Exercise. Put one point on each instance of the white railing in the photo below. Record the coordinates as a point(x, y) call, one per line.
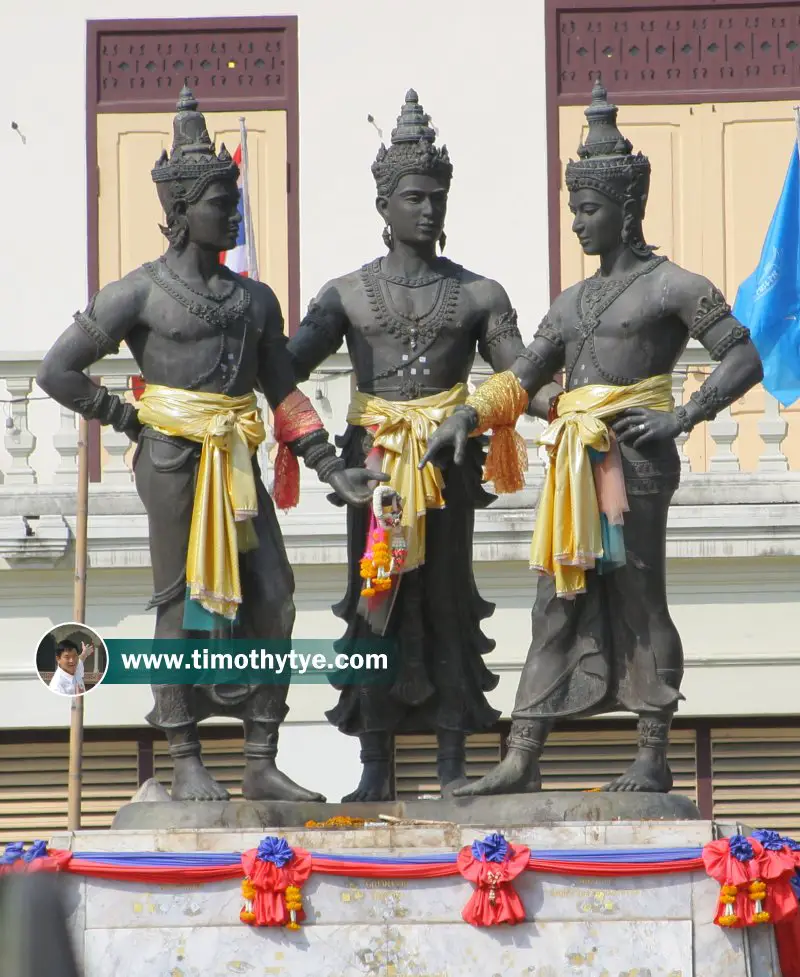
point(39, 444)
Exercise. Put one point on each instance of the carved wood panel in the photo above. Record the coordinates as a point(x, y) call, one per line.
point(221, 64)
point(701, 49)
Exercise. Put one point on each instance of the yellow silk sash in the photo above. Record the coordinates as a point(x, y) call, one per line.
point(229, 429)
point(402, 432)
point(567, 538)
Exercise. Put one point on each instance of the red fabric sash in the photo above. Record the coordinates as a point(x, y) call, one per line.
point(294, 418)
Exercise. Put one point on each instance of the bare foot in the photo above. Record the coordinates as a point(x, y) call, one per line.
point(649, 773)
point(264, 782)
point(518, 773)
point(192, 782)
point(374, 783)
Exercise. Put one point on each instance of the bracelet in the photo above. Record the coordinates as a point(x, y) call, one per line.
point(684, 420)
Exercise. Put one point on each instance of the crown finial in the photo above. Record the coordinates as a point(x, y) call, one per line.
point(412, 123)
point(603, 138)
point(186, 100)
point(606, 160)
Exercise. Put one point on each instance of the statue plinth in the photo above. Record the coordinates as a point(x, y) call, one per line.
point(660, 924)
point(545, 807)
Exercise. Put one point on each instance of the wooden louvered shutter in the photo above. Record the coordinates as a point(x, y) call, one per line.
point(572, 760)
point(33, 782)
point(756, 777)
point(224, 759)
point(415, 762)
point(588, 758)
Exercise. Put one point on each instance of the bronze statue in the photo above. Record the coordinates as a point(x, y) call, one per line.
point(603, 639)
point(412, 321)
point(204, 339)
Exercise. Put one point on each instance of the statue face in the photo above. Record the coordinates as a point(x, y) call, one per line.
point(214, 220)
point(416, 210)
point(597, 222)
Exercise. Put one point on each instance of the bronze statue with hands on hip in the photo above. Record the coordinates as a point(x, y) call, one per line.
point(205, 339)
point(602, 636)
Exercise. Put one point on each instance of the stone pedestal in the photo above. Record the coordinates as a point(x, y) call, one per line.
point(657, 926)
point(546, 807)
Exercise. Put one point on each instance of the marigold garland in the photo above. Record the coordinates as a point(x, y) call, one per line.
point(340, 821)
point(294, 906)
point(247, 915)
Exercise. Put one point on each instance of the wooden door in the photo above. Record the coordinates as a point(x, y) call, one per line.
point(129, 212)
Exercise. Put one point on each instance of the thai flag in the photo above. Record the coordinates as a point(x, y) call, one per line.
point(237, 258)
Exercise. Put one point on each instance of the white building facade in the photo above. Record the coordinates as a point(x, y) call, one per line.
point(487, 79)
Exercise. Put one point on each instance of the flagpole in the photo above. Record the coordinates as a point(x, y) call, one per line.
point(79, 615)
point(252, 259)
point(797, 126)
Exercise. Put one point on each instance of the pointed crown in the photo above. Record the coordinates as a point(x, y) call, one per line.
point(412, 150)
point(606, 161)
point(194, 157)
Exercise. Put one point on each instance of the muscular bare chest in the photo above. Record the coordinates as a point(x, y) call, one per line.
point(192, 341)
point(618, 331)
point(423, 329)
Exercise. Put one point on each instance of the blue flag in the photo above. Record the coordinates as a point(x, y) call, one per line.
point(768, 302)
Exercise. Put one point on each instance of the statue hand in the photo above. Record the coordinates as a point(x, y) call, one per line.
point(639, 426)
point(355, 485)
point(450, 437)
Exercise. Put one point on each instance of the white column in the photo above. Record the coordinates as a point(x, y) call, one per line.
point(65, 441)
point(678, 385)
point(723, 431)
point(116, 470)
point(772, 427)
point(19, 442)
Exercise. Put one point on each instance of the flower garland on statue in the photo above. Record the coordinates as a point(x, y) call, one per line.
point(274, 876)
point(385, 555)
point(492, 864)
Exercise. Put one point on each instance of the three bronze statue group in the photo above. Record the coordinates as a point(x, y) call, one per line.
point(206, 339)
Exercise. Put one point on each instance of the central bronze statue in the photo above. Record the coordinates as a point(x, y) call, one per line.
point(412, 321)
point(603, 639)
point(205, 339)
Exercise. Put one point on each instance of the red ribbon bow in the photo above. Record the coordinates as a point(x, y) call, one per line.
point(773, 868)
point(494, 900)
point(271, 883)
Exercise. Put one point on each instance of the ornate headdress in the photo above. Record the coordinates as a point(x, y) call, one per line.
point(606, 161)
point(412, 150)
point(194, 163)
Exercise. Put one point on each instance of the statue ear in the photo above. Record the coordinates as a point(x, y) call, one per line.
point(382, 206)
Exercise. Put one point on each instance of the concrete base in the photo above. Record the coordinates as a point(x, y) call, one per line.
point(547, 807)
point(658, 926)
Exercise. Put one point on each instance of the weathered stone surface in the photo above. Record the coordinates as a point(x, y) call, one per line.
point(547, 807)
point(151, 792)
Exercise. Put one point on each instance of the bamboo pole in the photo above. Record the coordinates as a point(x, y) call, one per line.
point(79, 615)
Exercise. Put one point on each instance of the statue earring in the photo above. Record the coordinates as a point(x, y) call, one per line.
point(388, 238)
point(442, 241)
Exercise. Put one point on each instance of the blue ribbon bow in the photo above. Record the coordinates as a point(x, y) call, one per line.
point(493, 848)
point(791, 844)
point(37, 850)
point(275, 850)
point(13, 853)
point(770, 840)
point(740, 848)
